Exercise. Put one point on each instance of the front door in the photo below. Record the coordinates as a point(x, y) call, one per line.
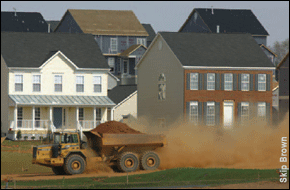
point(57, 117)
point(228, 114)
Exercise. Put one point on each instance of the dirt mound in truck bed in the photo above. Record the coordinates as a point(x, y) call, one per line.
point(114, 127)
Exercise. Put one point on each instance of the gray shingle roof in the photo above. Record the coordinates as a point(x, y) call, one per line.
point(216, 50)
point(121, 92)
point(53, 24)
point(33, 49)
point(150, 31)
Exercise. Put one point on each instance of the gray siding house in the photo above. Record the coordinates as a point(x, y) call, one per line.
point(4, 98)
point(114, 31)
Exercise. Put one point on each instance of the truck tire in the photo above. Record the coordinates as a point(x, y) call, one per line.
point(58, 171)
point(128, 162)
point(149, 161)
point(74, 164)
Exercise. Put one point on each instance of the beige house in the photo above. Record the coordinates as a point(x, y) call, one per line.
point(56, 82)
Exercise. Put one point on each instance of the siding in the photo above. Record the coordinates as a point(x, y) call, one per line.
point(153, 64)
point(4, 97)
point(128, 107)
point(68, 25)
point(197, 25)
point(261, 40)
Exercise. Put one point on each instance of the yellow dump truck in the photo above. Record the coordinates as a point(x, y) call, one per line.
point(127, 152)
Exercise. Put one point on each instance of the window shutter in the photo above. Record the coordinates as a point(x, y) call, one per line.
point(268, 81)
point(200, 81)
point(217, 113)
point(204, 112)
point(222, 81)
point(256, 82)
point(187, 110)
point(199, 112)
point(217, 81)
point(239, 112)
point(235, 81)
point(240, 82)
point(188, 81)
point(205, 81)
point(268, 111)
point(251, 82)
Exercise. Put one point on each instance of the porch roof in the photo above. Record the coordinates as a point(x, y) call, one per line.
point(62, 100)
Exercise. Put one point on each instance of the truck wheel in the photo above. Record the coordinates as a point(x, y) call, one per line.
point(74, 164)
point(128, 162)
point(58, 171)
point(150, 161)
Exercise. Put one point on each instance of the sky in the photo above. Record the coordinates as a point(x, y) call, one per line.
point(166, 15)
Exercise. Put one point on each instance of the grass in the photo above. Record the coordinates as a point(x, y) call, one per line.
point(24, 145)
point(172, 177)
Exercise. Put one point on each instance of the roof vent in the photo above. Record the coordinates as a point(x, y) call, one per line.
point(217, 28)
point(48, 28)
point(14, 11)
point(212, 10)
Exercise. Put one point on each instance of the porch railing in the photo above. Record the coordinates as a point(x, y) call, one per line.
point(88, 124)
point(31, 125)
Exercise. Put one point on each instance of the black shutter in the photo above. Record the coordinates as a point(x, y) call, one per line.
point(217, 113)
point(251, 82)
point(187, 110)
point(204, 112)
point(222, 81)
point(188, 81)
point(205, 81)
point(240, 82)
point(217, 81)
point(256, 82)
point(235, 81)
point(268, 111)
point(239, 112)
point(200, 81)
point(268, 81)
point(200, 113)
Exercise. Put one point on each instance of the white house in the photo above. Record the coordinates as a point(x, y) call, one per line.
point(56, 81)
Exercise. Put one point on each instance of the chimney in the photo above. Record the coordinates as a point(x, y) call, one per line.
point(48, 28)
point(217, 28)
point(212, 10)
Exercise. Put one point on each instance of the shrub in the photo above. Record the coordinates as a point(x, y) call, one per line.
point(33, 137)
point(41, 138)
point(19, 135)
point(25, 137)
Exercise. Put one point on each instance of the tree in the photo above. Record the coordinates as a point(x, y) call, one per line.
point(19, 135)
point(280, 49)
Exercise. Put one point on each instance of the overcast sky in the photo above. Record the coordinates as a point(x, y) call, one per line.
point(166, 15)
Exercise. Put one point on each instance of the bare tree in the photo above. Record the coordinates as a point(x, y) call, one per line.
point(280, 48)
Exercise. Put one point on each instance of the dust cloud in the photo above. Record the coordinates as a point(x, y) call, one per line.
point(254, 145)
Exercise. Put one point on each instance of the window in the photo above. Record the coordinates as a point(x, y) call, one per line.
point(113, 44)
point(210, 81)
point(111, 63)
point(228, 81)
point(18, 83)
point(261, 109)
point(36, 80)
point(193, 81)
point(193, 113)
point(98, 114)
point(245, 82)
point(81, 114)
point(75, 138)
point(161, 122)
point(261, 82)
point(58, 83)
point(19, 116)
point(125, 68)
point(118, 65)
point(80, 84)
point(37, 117)
point(64, 117)
point(245, 112)
point(210, 114)
point(97, 81)
point(141, 41)
point(161, 87)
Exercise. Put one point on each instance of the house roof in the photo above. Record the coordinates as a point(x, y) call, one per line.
point(108, 22)
point(216, 50)
point(53, 24)
point(283, 60)
point(33, 49)
point(230, 21)
point(131, 49)
point(23, 22)
point(268, 49)
point(61, 100)
point(121, 92)
point(150, 31)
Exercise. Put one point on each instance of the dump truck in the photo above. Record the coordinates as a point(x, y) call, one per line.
point(68, 154)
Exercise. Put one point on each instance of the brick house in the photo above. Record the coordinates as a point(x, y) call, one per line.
point(205, 78)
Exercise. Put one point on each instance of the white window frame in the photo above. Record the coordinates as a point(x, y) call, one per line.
point(210, 82)
point(141, 41)
point(245, 117)
point(194, 83)
point(162, 87)
point(96, 83)
point(80, 84)
point(111, 63)
point(19, 83)
point(114, 45)
point(210, 118)
point(228, 82)
point(58, 83)
point(35, 83)
point(261, 105)
point(245, 82)
point(193, 116)
point(260, 83)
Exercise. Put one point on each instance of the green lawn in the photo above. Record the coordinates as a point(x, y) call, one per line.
point(172, 177)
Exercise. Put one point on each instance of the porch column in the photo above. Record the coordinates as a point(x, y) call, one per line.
point(112, 114)
point(33, 117)
point(95, 117)
point(15, 118)
point(77, 116)
point(50, 116)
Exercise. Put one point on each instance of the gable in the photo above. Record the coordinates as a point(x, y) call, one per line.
point(194, 23)
point(68, 24)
